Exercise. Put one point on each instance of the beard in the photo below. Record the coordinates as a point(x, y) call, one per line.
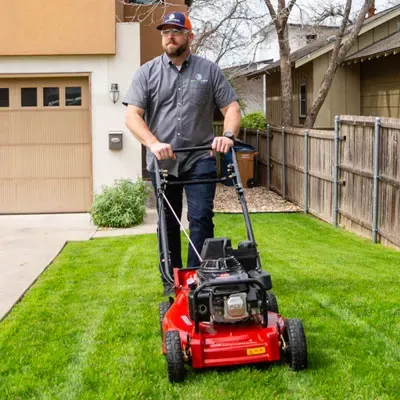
point(177, 51)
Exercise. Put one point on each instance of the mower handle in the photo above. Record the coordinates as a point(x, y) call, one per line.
point(192, 149)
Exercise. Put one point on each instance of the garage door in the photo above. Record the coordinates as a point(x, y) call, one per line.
point(45, 145)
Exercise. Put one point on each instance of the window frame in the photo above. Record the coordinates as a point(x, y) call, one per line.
point(303, 101)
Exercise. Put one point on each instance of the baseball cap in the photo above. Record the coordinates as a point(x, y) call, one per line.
point(176, 18)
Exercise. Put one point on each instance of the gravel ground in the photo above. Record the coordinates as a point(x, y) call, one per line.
point(258, 199)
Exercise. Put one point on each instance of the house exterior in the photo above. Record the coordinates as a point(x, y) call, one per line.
point(252, 91)
point(59, 61)
point(367, 83)
point(299, 36)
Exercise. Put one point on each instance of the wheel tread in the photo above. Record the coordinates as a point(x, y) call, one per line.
point(175, 360)
point(297, 345)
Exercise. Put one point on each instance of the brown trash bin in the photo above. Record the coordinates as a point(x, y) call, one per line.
point(245, 160)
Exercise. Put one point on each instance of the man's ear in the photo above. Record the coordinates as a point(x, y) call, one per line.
point(191, 37)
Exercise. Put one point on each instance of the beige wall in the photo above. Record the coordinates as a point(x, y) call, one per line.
point(274, 115)
point(380, 87)
point(343, 96)
point(44, 27)
point(149, 18)
point(302, 75)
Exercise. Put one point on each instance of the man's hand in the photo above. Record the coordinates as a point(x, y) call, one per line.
point(221, 144)
point(163, 151)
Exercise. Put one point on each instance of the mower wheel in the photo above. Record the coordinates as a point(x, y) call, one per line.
point(296, 351)
point(272, 303)
point(175, 361)
point(163, 307)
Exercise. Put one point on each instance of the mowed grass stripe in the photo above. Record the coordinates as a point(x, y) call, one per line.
point(89, 327)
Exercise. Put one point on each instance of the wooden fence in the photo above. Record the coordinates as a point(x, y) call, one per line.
point(349, 176)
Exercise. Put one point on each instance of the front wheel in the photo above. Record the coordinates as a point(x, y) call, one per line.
point(296, 351)
point(272, 303)
point(175, 360)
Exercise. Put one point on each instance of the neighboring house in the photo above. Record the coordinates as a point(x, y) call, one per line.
point(367, 83)
point(299, 36)
point(59, 61)
point(252, 92)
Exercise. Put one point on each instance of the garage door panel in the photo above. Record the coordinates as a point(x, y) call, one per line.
point(5, 127)
point(43, 127)
point(45, 195)
point(46, 161)
point(45, 149)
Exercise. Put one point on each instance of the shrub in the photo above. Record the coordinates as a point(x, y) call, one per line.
point(121, 205)
point(255, 120)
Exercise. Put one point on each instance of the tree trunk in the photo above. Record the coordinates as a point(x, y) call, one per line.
point(286, 78)
point(321, 96)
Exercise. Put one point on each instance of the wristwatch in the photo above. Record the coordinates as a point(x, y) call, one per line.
point(229, 135)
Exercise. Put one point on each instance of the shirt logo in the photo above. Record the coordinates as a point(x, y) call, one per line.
point(198, 78)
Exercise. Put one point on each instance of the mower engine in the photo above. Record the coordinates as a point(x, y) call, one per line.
point(223, 297)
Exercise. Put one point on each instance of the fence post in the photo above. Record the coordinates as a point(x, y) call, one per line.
point(336, 171)
point(283, 165)
point(244, 134)
point(257, 149)
point(376, 181)
point(306, 134)
point(268, 158)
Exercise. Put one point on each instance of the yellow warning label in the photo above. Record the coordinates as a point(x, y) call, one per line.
point(256, 350)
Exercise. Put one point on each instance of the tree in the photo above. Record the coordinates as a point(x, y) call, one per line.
point(224, 29)
point(345, 37)
point(343, 42)
point(280, 18)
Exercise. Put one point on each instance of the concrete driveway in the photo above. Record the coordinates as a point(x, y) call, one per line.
point(29, 243)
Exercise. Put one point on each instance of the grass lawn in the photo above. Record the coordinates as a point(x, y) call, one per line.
point(89, 329)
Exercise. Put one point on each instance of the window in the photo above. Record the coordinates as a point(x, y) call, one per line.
point(4, 97)
point(51, 97)
point(303, 101)
point(29, 97)
point(73, 96)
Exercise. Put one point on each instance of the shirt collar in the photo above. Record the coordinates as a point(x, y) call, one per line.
point(168, 62)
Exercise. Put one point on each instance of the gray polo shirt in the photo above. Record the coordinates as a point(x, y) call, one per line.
point(179, 105)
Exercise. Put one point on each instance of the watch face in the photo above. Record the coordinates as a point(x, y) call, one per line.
point(229, 135)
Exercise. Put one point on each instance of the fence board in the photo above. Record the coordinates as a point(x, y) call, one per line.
point(356, 172)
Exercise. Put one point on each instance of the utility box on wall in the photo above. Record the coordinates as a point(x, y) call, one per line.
point(115, 140)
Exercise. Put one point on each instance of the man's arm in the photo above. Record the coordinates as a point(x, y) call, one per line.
point(231, 112)
point(232, 117)
point(135, 123)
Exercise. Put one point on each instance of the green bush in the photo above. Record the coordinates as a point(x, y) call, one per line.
point(121, 205)
point(255, 120)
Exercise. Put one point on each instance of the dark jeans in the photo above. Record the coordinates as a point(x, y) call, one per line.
point(200, 201)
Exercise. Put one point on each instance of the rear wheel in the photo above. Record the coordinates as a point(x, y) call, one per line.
point(296, 351)
point(272, 303)
point(163, 307)
point(175, 360)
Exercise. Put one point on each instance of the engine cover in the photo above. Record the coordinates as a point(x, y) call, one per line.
point(235, 307)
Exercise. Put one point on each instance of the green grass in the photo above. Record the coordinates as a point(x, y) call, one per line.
point(88, 329)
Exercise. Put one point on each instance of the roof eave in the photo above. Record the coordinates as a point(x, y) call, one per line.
point(318, 53)
point(380, 54)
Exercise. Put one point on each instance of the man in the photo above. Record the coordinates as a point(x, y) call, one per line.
point(170, 105)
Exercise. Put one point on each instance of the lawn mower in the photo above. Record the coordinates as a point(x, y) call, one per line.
point(224, 313)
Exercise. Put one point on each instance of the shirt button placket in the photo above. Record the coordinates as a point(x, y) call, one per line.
point(179, 114)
